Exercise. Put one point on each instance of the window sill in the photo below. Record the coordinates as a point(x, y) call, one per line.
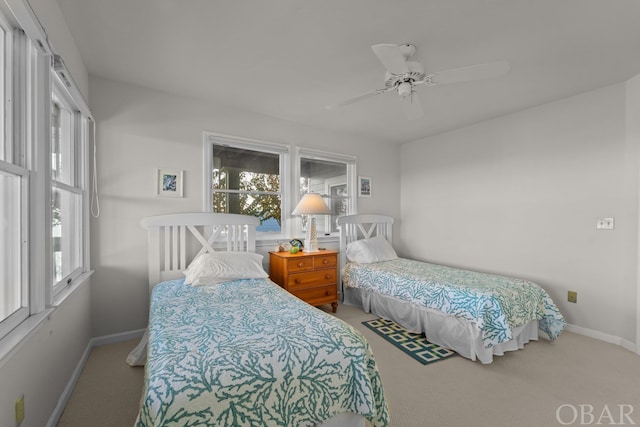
point(268, 242)
point(68, 290)
point(12, 342)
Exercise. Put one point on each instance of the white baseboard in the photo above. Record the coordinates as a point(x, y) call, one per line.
point(632, 347)
point(114, 338)
point(613, 339)
point(93, 342)
point(66, 394)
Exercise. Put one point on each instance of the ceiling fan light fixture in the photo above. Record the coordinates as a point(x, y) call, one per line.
point(405, 89)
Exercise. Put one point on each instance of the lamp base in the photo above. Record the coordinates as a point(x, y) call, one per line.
point(311, 241)
point(310, 246)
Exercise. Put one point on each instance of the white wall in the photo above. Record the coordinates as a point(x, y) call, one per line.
point(140, 130)
point(519, 195)
point(44, 363)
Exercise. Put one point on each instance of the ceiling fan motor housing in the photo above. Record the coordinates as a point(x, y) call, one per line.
point(416, 74)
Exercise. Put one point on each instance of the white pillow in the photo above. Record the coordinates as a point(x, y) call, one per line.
point(218, 267)
point(366, 251)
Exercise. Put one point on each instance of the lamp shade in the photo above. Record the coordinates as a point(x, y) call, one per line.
point(311, 204)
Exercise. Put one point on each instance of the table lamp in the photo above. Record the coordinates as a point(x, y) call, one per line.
point(311, 204)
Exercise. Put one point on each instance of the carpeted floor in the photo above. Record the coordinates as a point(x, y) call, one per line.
point(524, 388)
point(108, 391)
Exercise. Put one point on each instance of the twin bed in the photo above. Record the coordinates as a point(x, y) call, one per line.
point(477, 315)
point(226, 346)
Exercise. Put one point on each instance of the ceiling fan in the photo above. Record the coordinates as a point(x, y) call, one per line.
point(403, 76)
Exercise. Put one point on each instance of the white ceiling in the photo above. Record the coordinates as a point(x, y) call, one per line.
point(291, 58)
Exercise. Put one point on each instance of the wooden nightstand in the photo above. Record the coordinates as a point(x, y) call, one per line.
point(311, 276)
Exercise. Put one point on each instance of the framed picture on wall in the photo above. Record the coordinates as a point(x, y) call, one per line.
point(364, 186)
point(170, 182)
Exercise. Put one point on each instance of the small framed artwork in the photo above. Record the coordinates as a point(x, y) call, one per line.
point(170, 182)
point(364, 186)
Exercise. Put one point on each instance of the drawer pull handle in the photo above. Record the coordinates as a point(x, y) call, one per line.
point(324, 261)
point(327, 276)
point(327, 293)
point(298, 281)
point(301, 264)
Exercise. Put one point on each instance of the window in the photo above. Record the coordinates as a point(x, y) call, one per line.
point(333, 176)
point(43, 140)
point(66, 191)
point(14, 290)
point(251, 177)
point(246, 177)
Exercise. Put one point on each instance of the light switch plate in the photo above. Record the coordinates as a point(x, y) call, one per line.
point(604, 224)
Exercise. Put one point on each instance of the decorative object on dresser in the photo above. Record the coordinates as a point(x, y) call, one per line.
point(311, 277)
point(310, 205)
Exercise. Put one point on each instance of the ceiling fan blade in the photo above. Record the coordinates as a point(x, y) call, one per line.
point(391, 57)
point(412, 106)
point(472, 72)
point(358, 98)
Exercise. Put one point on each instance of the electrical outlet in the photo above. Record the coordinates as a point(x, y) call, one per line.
point(572, 296)
point(19, 410)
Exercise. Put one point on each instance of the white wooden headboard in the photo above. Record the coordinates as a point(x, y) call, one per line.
point(174, 240)
point(362, 226)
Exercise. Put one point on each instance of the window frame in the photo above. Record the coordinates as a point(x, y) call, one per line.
point(22, 313)
point(12, 163)
point(7, 63)
point(77, 183)
point(348, 160)
point(283, 151)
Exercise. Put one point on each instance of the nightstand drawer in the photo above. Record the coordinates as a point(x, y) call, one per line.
point(316, 296)
point(312, 278)
point(300, 264)
point(327, 261)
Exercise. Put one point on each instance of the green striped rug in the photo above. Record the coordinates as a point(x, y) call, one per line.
point(415, 345)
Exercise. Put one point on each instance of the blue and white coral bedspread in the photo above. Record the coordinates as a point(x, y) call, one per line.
point(496, 304)
point(247, 353)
